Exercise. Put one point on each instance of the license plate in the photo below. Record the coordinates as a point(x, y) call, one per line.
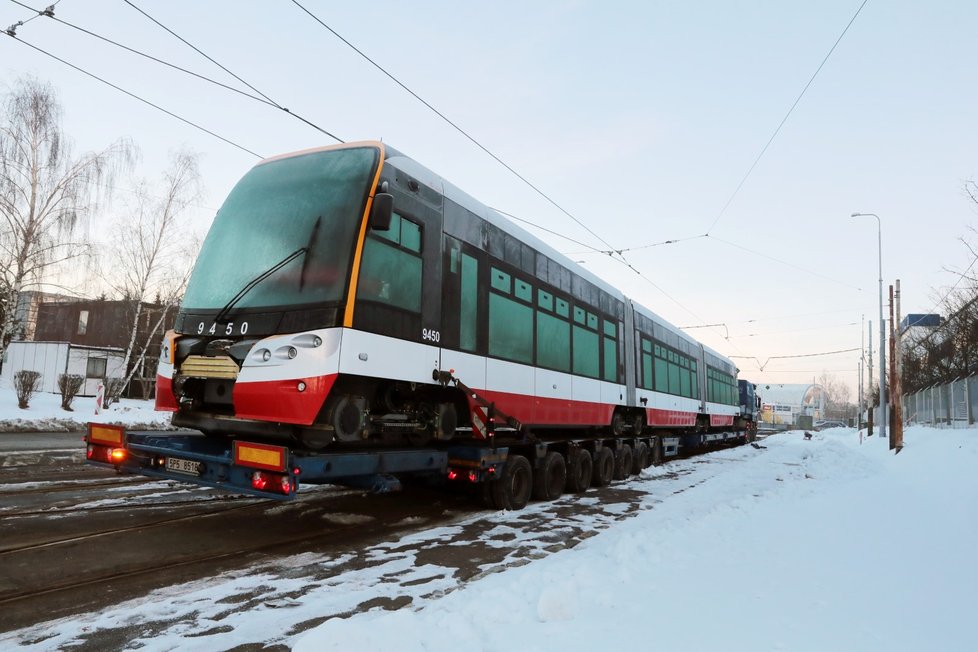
point(182, 466)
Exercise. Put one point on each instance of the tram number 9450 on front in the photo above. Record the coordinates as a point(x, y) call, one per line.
point(231, 328)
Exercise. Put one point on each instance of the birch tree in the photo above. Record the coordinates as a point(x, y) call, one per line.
point(45, 192)
point(153, 256)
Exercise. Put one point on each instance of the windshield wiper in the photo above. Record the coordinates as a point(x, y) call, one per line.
point(309, 246)
point(221, 317)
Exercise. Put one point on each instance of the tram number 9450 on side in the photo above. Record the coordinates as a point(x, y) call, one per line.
point(430, 335)
point(231, 328)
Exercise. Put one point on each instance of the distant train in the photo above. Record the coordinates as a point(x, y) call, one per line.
point(347, 296)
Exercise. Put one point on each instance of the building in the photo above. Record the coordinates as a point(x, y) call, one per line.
point(51, 359)
point(783, 404)
point(107, 324)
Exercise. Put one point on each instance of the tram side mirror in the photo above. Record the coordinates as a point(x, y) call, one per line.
point(381, 211)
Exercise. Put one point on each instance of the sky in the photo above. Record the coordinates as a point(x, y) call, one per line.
point(640, 119)
point(828, 544)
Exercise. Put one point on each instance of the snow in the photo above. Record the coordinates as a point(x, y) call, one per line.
point(807, 545)
point(802, 545)
point(45, 413)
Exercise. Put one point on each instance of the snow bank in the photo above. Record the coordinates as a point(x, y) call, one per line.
point(809, 545)
point(46, 415)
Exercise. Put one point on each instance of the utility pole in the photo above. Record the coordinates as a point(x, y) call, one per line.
point(862, 360)
point(869, 415)
point(896, 360)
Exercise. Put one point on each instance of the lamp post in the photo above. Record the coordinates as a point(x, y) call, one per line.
point(879, 231)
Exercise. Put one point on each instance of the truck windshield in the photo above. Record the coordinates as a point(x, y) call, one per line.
point(272, 212)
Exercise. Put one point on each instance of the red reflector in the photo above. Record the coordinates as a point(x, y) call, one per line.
point(90, 453)
point(473, 476)
point(263, 481)
point(452, 474)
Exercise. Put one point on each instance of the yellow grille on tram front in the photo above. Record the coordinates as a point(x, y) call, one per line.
point(203, 366)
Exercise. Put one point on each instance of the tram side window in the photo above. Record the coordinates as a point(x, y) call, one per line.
point(586, 344)
point(675, 373)
point(510, 318)
point(468, 303)
point(661, 370)
point(391, 268)
point(646, 364)
point(553, 333)
point(610, 341)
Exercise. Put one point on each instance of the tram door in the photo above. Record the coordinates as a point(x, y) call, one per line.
point(399, 294)
point(463, 324)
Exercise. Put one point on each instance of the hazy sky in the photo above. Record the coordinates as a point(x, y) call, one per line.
point(638, 118)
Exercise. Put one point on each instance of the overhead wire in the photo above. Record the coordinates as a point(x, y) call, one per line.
point(228, 71)
point(615, 254)
point(137, 97)
point(789, 357)
point(37, 14)
point(770, 140)
point(452, 124)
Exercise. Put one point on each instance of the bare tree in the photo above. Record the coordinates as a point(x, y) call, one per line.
point(837, 395)
point(44, 192)
point(152, 259)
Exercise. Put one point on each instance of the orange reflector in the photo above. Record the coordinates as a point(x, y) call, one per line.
point(106, 435)
point(260, 456)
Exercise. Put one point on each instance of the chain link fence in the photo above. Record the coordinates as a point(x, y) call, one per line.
point(953, 405)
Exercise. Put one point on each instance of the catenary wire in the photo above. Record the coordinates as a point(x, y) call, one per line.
point(767, 145)
point(454, 125)
point(785, 118)
point(216, 63)
point(137, 97)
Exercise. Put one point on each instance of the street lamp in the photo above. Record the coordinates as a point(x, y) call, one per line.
point(879, 230)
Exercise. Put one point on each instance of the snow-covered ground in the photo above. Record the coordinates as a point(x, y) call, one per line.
point(45, 413)
point(828, 544)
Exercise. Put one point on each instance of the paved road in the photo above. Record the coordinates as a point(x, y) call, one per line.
point(39, 441)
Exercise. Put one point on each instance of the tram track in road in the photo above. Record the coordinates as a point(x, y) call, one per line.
point(131, 528)
point(222, 545)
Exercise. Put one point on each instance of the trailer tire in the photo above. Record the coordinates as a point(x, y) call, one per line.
point(548, 481)
point(579, 470)
point(640, 458)
point(657, 452)
point(604, 467)
point(512, 489)
point(623, 462)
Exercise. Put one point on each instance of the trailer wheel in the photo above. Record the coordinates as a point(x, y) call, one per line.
point(657, 451)
point(604, 467)
point(548, 482)
point(512, 489)
point(623, 462)
point(640, 458)
point(579, 469)
point(617, 424)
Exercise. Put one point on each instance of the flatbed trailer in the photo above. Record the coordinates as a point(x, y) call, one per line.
point(507, 475)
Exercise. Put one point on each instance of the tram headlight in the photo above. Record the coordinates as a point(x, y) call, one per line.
point(293, 352)
point(317, 341)
point(266, 355)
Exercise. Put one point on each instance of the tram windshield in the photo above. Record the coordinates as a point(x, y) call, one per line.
point(311, 201)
